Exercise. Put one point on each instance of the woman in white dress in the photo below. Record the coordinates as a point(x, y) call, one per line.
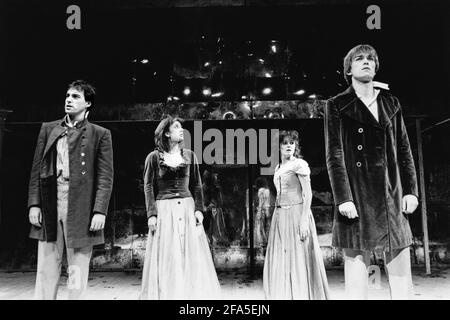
point(293, 267)
point(178, 262)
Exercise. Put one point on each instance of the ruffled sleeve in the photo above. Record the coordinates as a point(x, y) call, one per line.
point(302, 168)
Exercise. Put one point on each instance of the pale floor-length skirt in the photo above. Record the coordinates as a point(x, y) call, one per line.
point(178, 262)
point(293, 269)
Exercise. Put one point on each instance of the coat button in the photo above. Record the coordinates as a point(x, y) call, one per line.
point(83, 163)
point(359, 147)
point(83, 172)
point(358, 164)
point(360, 130)
point(82, 154)
point(179, 202)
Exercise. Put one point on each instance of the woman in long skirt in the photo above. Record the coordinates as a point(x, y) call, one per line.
point(293, 267)
point(178, 262)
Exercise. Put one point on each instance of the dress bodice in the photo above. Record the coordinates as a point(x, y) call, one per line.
point(289, 189)
point(162, 181)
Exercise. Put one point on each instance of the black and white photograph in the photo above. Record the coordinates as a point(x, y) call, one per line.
point(226, 150)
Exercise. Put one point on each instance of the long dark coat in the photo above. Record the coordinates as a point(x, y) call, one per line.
point(370, 163)
point(90, 186)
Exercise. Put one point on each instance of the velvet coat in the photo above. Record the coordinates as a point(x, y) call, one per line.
point(370, 163)
point(90, 185)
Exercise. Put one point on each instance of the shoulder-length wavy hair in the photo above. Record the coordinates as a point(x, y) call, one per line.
point(161, 140)
point(294, 136)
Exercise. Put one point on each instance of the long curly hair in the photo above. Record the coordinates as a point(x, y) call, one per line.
point(294, 136)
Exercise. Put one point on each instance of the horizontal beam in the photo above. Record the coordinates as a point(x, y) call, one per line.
point(137, 4)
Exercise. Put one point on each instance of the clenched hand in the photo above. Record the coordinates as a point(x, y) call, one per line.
point(98, 222)
point(152, 224)
point(199, 217)
point(348, 209)
point(35, 216)
point(409, 203)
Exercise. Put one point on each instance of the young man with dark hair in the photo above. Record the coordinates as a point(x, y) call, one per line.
point(372, 175)
point(69, 191)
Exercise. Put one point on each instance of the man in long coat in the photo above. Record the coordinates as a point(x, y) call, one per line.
point(69, 191)
point(372, 175)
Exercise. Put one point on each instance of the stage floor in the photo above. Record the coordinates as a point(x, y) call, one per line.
point(236, 285)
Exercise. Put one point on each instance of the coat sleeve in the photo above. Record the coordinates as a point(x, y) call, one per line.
point(34, 198)
point(195, 184)
point(334, 152)
point(405, 158)
point(149, 190)
point(104, 174)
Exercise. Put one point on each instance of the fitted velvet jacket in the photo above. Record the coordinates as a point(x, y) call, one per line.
point(370, 163)
point(90, 185)
point(165, 182)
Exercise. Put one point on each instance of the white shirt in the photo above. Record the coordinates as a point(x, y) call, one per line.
point(371, 104)
point(62, 148)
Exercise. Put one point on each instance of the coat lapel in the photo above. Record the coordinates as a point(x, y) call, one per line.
point(54, 134)
point(354, 108)
point(386, 109)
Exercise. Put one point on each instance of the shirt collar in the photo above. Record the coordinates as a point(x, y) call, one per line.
point(74, 124)
point(381, 85)
point(377, 91)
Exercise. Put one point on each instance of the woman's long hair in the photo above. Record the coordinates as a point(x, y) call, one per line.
point(162, 142)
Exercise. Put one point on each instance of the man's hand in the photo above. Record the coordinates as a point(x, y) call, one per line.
point(98, 222)
point(409, 203)
point(199, 217)
point(35, 216)
point(152, 224)
point(348, 210)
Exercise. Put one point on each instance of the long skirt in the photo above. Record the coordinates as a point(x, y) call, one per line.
point(293, 269)
point(178, 262)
